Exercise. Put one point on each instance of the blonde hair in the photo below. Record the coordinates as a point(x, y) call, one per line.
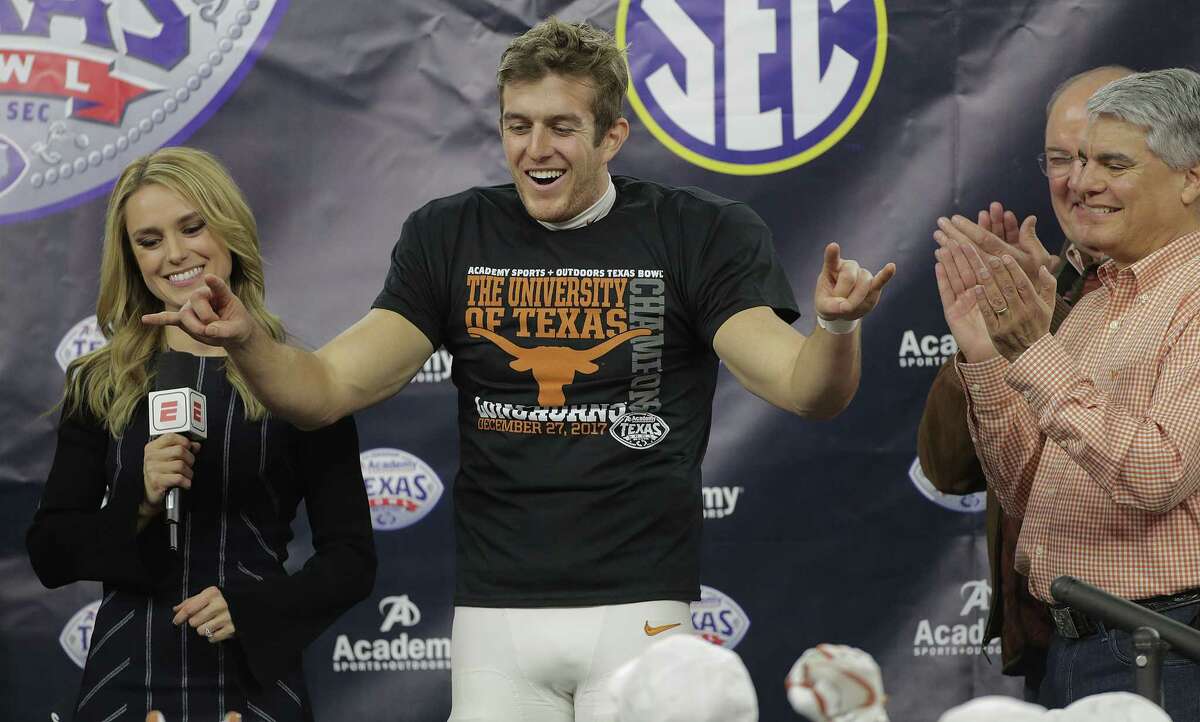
point(111, 381)
point(575, 50)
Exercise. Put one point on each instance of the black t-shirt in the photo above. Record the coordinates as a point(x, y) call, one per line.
point(585, 371)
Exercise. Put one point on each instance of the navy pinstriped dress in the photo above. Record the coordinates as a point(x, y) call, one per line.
point(248, 479)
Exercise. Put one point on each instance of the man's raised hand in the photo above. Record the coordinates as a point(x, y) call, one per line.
point(997, 234)
point(845, 290)
point(212, 315)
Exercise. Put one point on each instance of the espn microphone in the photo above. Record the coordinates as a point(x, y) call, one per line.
point(176, 408)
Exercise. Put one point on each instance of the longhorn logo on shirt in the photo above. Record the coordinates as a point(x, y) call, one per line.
point(555, 366)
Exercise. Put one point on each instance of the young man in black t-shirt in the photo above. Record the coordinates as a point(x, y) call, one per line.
point(587, 316)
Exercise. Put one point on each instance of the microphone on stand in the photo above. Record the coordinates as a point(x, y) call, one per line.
point(176, 408)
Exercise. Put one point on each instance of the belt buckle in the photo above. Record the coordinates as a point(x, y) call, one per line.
point(1064, 621)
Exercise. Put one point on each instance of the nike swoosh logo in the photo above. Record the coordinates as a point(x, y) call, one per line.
point(652, 631)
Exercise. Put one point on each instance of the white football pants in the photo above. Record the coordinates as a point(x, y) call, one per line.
point(550, 665)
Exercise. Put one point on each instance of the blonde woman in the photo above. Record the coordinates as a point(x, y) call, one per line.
point(219, 624)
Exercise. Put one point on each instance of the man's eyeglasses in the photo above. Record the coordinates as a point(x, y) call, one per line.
point(1055, 165)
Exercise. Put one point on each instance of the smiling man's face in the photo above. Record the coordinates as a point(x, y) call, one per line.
point(1126, 202)
point(549, 136)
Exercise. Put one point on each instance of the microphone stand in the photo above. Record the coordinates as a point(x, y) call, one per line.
point(1150, 651)
point(1153, 634)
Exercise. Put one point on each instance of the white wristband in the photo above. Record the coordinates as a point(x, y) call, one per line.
point(837, 326)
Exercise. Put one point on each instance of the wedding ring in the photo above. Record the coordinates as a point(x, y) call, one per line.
point(1001, 310)
point(208, 632)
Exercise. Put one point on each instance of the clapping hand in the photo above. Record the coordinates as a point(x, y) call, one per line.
point(991, 305)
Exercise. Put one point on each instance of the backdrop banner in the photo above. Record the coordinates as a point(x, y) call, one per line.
point(856, 121)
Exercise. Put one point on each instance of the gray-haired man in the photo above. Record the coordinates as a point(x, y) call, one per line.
point(1090, 434)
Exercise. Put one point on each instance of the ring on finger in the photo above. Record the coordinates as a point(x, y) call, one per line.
point(208, 631)
point(1000, 311)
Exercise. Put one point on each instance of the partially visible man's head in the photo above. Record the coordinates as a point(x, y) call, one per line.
point(1066, 126)
point(561, 87)
point(1136, 187)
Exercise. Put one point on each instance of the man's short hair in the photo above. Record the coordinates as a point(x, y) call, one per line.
point(576, 50)
point(1062, 87)
point(1166, 103)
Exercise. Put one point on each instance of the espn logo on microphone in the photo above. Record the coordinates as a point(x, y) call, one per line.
point(178, 411)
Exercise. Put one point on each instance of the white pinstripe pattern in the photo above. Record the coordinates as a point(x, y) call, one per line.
point(233, 399)
point(200, 373)
point(112, 631)
point(112, 485)
point(262, 467)
point(149, 666)
point(258, 535)
point(107, 598)
point(187, 568)
point(242, 568)
point(102, 682)
point(120, 711)
point(1111, 498)
point(183, 628)
point(263, 715)
point(288, 691)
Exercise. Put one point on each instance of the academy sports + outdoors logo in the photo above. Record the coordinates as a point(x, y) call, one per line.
point(721, 501)
point(396, 653)
point(89, 85)
point(752, 88)
point(963, 637)
point(401, 488)
point(926, 351)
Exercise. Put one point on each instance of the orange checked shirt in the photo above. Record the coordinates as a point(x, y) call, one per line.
point(1093, 434)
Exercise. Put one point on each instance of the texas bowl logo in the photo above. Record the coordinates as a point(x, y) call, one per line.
point(76, 637)
point(718, 618)
point(639, 430)
point(401, 489)
point(89, 85)
point(968, 503)
point(752, 88)
point(83, 338)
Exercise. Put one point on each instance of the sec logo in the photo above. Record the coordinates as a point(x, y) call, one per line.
point(87, 86)
point(752, 88)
